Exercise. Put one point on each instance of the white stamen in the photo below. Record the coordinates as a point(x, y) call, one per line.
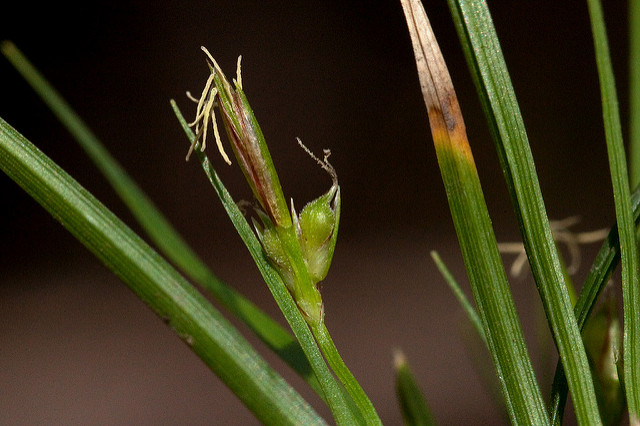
point(191, 98)
point(238, 74)
point(561, 234)
point(205, 110)
point(216, 135)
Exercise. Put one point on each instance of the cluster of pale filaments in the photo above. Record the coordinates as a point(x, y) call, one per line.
point(561, 234)
point(206, 104)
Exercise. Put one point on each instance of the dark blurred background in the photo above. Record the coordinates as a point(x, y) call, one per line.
point(77, 347)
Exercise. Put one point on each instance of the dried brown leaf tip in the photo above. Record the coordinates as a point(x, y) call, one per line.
point(445, 117)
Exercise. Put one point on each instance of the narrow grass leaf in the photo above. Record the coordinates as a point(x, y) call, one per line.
point(624, 216)
point(156, 282)
point(472, 315)
point(634, 92)
point(474, 342)
point(341, 405)
point(471, 219)
point(413, 404)
point(158, 228)
point(489, 71)
point(343, 373)
point(603, 266)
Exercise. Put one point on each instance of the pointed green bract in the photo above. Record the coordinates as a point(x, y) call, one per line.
point(317, 230)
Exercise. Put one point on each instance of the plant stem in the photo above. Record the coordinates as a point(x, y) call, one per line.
point(472, 315)
point(603, 266)
point(345, 376)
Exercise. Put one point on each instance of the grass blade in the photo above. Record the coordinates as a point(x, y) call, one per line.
point(348, 380)
point(471, 219)
point(484, 56)
point(158, 228)
point(634, 92)
point(624, 216)
point(605, 263)
point(340, 403)
point(472, 315)
point(413, 405)
point(474, 342)
point(156, 282)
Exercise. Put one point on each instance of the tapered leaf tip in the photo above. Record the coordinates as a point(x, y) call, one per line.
point(399, 359)
point(7, 47)
point(445, 116)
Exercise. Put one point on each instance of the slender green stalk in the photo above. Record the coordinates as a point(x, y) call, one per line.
point(472, 315)
point(489, 71)
point(156, 282)
point(415, 410)
point(158, 228)
point(338, 401)
point(344, 374)
point(473, 226)
point(483, 364)
point(626, 229)
point(634, 92)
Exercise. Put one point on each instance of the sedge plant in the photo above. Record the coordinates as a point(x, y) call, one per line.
point(599, 356)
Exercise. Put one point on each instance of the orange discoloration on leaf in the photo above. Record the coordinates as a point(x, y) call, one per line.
point(445, 116)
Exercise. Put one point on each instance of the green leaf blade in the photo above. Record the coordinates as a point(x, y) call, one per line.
point(621, 194)
point(603, 266)
point(413, 405)
point(471, 219)
point(634, 93)
point(484, 57)
point(469, 310)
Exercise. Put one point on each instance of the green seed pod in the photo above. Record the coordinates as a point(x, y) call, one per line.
point(317, 225)
point(317, 229)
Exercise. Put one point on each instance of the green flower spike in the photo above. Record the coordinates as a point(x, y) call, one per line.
point(301, 247)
